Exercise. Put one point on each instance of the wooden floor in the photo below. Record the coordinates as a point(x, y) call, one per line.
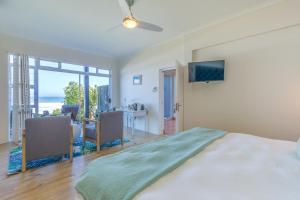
point(54, 181)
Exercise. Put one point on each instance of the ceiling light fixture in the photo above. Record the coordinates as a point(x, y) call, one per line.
point(130, 22)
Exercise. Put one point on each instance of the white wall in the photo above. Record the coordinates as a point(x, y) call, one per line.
point(3, 99)
point(239, 40)
point(46, 51)
point(261, 92)
point(149, 68)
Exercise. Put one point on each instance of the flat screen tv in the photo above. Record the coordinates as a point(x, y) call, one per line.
point(206, 71)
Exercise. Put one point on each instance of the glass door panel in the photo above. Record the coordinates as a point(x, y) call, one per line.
point(56, 89)
point(99, 101)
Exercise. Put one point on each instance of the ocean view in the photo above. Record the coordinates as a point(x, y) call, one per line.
point(51, 99)
point(50, 104)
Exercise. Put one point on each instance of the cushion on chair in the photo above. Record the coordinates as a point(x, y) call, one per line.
point(73, 109)
point(90, 131)
point(111, 126)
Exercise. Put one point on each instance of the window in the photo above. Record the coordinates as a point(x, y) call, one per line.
point(103, 71)
point(11, 75)
point(31, 62)
point(53, 84)
point(53, 94)
point(11, 59)
point(11, 94)
point(96, 81)
point(93, 70)
point(45, 63)
point(31, 76)
point(32, 97)
point(72, 67)
point(97, 70)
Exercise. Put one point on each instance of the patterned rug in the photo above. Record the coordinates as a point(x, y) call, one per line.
point(15, 156)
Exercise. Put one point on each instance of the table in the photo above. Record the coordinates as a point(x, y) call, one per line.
point(131, 115)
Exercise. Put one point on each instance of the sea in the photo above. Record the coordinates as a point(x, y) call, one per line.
point(50, 104)
point(51, 99)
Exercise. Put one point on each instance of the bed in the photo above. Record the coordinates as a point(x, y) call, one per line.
point(236, 166)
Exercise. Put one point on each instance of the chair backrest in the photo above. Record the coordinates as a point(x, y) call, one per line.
point(47, 136)
point(111, 126)
point(73, 109)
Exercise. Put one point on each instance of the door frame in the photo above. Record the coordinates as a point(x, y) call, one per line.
point(161, 96)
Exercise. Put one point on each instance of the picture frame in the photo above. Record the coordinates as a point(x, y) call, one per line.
point(137, 79)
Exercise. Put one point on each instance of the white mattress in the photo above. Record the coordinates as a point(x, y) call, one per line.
point(236, 167)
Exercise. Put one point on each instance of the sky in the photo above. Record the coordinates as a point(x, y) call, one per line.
point(52, 84)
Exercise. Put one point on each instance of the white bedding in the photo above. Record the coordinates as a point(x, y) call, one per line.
point(235, 167)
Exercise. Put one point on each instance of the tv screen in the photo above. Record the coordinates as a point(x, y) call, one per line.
point(206, 71)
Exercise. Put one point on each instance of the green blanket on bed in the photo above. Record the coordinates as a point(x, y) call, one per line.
point(124, 174)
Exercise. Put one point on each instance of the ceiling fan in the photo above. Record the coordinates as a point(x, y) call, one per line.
point(131, 22)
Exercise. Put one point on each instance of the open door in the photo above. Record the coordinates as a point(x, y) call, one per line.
point(171, 105)
point(179, 97)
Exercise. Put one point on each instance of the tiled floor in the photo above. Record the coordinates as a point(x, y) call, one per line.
point(170, 126)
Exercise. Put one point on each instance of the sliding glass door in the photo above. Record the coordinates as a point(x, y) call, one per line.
point(53, 84)
point(94, 83)
point(57, 88)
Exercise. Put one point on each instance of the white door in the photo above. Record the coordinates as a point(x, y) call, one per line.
point(179, 97)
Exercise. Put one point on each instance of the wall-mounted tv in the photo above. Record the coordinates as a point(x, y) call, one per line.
point(206, 71)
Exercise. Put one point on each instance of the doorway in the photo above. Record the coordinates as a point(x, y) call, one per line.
point(171, 99)
point(169, 102)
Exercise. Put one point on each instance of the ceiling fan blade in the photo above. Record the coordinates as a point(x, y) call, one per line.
point(124, 7)
point(114, 28)
point(149, 27)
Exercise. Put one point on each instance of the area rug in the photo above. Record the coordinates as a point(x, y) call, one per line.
point(15, 155)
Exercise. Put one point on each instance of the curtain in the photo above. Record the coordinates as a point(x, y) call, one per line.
point(21, 96)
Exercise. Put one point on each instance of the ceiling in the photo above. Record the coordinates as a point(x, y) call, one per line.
point(84, 24)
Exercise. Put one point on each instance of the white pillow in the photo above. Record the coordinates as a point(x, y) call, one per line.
point(298, 148)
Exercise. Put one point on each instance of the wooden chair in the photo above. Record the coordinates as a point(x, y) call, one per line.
point(46, 136)
point(107, 128)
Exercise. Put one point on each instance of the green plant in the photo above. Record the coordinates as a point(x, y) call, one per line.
point(93, 101)
point(74, 94)
point(56, 111)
